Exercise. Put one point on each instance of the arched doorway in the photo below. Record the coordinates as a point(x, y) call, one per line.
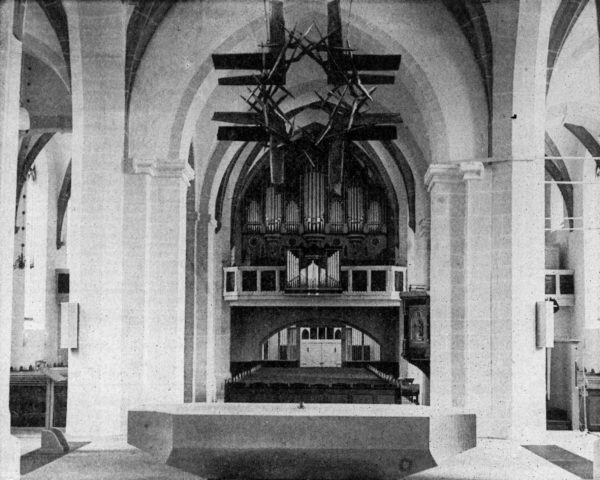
point(332, 344)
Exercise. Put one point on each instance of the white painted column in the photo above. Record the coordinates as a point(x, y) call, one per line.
point(447, 285)
point(164, 325)
point(213, 329)
point(517, 283)
point(52, 308)
point(202, 330)
point(190, 294)
point(585, 261)
point(97, 32)
point(10, 70)
point(211, 324)
point(520, 33)
point(135, 292)
point(477, 265)
point(18, 290)
point(222, 311)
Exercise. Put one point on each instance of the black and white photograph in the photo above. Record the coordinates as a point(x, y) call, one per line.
point(300, 239)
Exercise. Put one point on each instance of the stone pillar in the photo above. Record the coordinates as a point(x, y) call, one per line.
point(596, 467)
point(10, 71)
point(190, 293)
point(584, 260)
point(517, 283)
point(97, 32)
point(212, 312)
point(520, 34)
point(164, 325)
point(201, 329)
point(135, 291)
point(447, 285)
point(477, 272)
point(18, 290)
point(222, 255)
point(51, 307)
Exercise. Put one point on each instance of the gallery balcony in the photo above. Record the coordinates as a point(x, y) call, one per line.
point(356, 286)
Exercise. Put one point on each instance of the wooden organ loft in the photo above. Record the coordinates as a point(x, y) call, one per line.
point(301, 237)
point(301, 244)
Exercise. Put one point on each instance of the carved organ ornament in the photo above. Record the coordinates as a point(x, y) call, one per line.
point(345, 102)
point(302, 214)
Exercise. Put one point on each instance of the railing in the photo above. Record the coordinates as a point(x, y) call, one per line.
point(407, 388)
point(246, 373)
point(383, 282)
point(560, 285)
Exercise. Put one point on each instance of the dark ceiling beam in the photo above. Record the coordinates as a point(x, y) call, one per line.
point(470, 16)
point(557, 170)
point(564, 20)
point(56, 15)
point(62, 204)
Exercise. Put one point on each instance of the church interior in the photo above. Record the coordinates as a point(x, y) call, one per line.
point(314, 214)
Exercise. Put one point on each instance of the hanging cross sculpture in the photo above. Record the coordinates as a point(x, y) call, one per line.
point(345, 103)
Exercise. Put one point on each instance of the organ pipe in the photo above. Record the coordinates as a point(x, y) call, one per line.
point(374, 217)
point(292, 217)
point(273, 210)
point(292, 268)
point(333, 267)
point(314, 202)
point(355, 208)
point(336, 216)
point(253, 217)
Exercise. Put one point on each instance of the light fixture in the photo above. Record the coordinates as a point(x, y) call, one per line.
point(20, 261)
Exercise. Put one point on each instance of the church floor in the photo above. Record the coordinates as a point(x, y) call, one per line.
point(491, 460)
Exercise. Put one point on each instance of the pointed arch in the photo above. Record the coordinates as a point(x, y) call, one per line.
point(56, 15)
point(62, 204)
point(564, 20)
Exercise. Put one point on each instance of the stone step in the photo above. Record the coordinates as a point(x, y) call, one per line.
point(558, 425)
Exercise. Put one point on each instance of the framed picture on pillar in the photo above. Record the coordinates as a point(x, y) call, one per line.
point(418, 321)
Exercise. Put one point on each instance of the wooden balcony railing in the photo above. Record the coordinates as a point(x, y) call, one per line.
point(261, 283)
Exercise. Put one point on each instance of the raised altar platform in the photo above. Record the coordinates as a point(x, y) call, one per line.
point(283, 441)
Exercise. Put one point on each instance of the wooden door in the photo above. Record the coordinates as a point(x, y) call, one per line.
point(331, 353)
point(311, 353)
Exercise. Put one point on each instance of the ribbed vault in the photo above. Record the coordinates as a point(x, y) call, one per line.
point(55, 12)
